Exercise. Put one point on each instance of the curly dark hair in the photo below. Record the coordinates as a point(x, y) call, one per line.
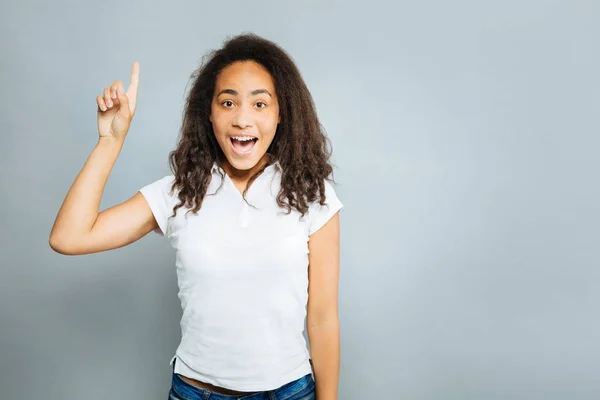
point(300, 144)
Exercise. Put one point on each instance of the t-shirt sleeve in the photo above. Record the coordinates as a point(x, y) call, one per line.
point(161, 202)
point(318, 215)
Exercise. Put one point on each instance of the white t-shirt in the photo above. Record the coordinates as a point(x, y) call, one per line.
point(242, 273)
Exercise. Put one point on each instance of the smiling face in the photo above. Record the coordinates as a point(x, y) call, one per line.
point(244, 116)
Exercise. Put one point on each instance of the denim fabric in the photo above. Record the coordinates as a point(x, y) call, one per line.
point(300, 389)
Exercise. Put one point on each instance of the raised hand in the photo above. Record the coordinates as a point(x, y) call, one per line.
point(116, 107)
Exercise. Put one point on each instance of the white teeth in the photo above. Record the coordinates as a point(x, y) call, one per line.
point(243, 138)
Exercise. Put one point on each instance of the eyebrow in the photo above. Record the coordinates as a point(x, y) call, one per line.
point(235, 93)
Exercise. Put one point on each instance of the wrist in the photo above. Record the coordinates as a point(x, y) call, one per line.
point(110, 141)
point(110, 145)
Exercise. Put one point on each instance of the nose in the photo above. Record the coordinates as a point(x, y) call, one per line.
point(242, 118)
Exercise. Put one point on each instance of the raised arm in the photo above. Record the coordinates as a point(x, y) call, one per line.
point(79, 228)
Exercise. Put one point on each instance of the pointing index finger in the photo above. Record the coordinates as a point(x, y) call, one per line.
point(134, 82)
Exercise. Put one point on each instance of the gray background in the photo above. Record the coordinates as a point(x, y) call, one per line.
point(465, 136)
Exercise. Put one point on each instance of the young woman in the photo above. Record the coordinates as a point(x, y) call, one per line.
point(252, 216)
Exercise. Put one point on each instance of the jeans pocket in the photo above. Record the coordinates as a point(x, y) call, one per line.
point(297, 389)
point(173, 395)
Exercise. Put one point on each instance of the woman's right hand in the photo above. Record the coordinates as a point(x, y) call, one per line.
point(116, 107)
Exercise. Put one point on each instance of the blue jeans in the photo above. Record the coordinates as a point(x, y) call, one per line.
point(300, 389)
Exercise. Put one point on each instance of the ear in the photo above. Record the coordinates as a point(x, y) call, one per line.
point(278, 119)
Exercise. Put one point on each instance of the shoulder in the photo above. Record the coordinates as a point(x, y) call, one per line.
point(319, 214)
point(160, 186)
point(161, 200)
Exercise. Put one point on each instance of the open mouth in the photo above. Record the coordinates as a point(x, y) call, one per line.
point(243, 145)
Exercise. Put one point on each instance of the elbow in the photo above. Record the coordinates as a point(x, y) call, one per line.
point(323, 321)
point(56, 245)
point(60, 246)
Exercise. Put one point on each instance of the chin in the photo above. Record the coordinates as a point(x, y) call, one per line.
point(243, 164)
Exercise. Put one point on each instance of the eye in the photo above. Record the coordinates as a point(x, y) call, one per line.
point(227, 103)
point(263, 104)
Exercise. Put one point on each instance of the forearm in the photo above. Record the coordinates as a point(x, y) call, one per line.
point(324, 338)
point(80, 207)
